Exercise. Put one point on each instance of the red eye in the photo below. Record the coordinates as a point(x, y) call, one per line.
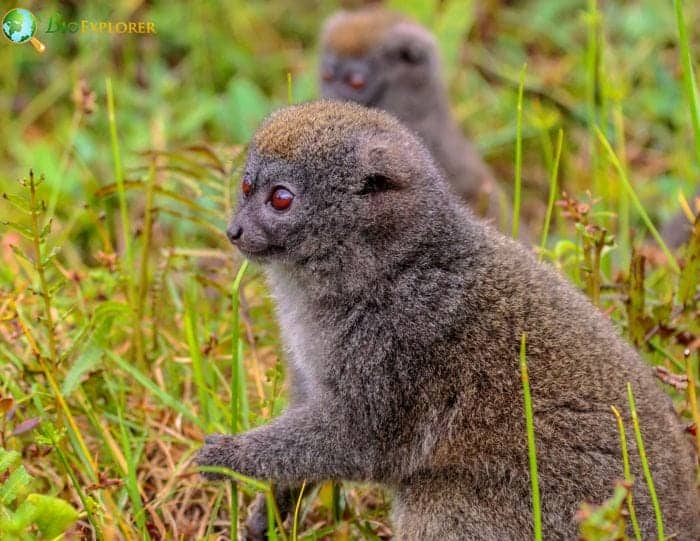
point(281, 199)
point(246, 186)
point(327, 74)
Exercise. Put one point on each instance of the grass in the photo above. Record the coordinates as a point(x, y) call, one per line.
point(645, 465)
point(628, 473)
point(531, 448)
point(129, 328)
point(518, 156)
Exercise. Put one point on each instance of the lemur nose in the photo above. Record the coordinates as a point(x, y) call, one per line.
point(356, 81)
point(234, 232)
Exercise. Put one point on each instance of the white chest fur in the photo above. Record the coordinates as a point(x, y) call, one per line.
point(301, 333)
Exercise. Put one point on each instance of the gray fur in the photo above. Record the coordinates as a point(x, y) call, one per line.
point(401, 67)
point(403, 316)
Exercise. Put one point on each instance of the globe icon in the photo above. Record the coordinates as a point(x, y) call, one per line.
point(19, 25)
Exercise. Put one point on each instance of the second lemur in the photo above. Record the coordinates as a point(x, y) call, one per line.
point(381, 59)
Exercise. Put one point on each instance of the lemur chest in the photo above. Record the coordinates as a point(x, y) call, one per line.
point(305, 339)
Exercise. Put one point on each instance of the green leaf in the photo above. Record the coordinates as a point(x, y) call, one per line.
point(45, 230)
point(53, 515)
point(54, 252)
point(21, 229)
point(19, 202)
point(13, 523)
point(109, 310)
point(7, 459)
point(84, 364)
point(17, 483)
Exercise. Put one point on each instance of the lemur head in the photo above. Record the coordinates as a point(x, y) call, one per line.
point(373, 57)
point(329, 183)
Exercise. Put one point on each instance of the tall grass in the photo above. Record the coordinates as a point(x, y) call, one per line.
point(689, 82)
point(636, 202)
point(553, 177)
point(645, 465)
point(531, 447)
point(628, 473)
point(518, 156)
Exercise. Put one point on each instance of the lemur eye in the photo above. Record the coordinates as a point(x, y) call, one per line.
point(327, 74)
point(246, 186)
point(281, 198)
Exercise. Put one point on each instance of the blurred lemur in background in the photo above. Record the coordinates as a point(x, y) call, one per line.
point(382, 59)
point(403, 317)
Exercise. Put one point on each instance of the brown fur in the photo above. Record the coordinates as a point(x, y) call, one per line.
point(355, 33)
point(292, 131)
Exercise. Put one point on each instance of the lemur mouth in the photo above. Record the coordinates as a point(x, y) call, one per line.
point(262, 254)
point(347, 93)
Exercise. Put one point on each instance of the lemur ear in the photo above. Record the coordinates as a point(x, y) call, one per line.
point(411, 53)
point(381, 160)
point(376, 183)
point(412, 44)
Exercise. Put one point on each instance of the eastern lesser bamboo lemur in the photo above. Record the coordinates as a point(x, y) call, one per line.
point(403, 317)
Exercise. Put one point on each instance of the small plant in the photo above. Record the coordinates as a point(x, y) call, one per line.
point(607, 521)
point(25, 514)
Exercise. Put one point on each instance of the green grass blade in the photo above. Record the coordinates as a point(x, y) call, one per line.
point(156, 391)
point(623, 203)
point(628, 473)
point(297, 507)
point(131, 480)
point(553, 177)
point(198, 367)
point(518, 155)
point(592, 84)
point(635, 200)
point(690, 275)
point(531, 450)
point(692, 396)
point(645, 465)
point(689, 83)
point(271, 530)
point(252, 484)
point(143, 274)
point(236, 352)
point(119, 177)
point(233, 510)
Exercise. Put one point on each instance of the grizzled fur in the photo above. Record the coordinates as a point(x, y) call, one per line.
point(402, 315)
point(399, 63)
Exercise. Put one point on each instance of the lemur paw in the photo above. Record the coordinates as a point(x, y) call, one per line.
point(221, 451)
